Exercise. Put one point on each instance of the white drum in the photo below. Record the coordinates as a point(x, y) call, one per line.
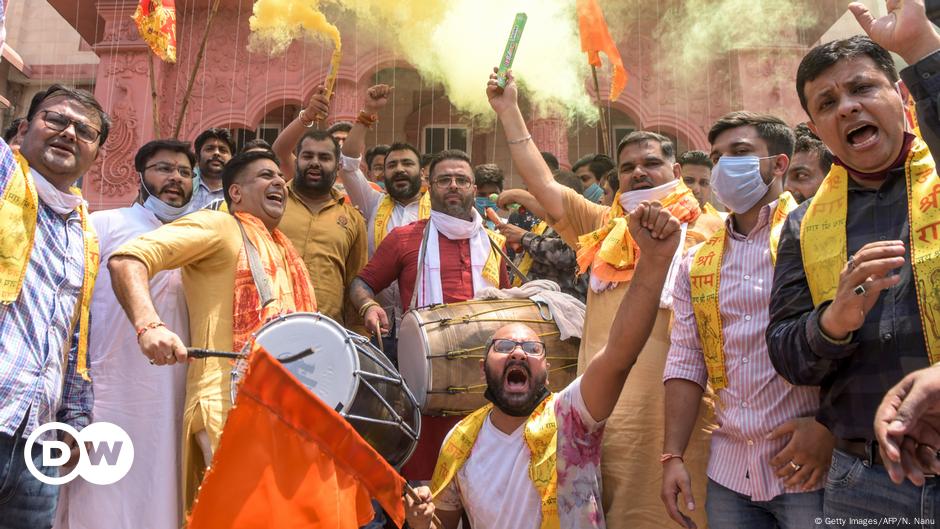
point(349, 374)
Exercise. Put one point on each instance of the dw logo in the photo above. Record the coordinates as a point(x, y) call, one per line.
point(106, 453)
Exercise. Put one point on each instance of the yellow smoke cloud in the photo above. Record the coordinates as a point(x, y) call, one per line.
point(275, 24)
point(455, 43)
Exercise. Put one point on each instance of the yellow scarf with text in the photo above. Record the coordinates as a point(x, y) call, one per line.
point(384, 213)
point(19, 211)
point(705, 276)
point(610, 252)
point(823, 238)
point(540, 436)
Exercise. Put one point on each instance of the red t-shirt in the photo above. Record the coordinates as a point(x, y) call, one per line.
point(397, 258)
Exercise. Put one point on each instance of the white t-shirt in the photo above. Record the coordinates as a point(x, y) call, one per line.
point(493, 486)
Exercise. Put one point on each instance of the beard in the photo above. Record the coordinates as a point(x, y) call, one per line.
point(515, 404)
point(414, 186)
point(317, 188)
point(464, 210)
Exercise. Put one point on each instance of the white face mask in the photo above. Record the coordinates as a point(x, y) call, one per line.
point(60, 202)
point(737, 182)
point(162, 210)
point(629, 200)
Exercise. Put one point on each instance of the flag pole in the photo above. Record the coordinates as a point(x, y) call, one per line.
point(605, 144)
point(192, 76)
point(153, 98)
point(435, 522)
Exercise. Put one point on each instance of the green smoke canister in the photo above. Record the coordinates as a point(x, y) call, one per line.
point(511, 46)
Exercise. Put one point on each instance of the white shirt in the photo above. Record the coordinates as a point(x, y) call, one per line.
point(143, 399)
point(493, 486)
point(367, 199)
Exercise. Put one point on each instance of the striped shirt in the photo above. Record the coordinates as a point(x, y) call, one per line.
point(35, 328)
point(757, 399)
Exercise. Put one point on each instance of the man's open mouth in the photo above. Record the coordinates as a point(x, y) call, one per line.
point(862, 136)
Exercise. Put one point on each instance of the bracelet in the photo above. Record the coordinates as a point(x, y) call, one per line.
point(521, 140)
point(667, 457)
point(303, 120)
point(367, 119)
point(149, 326)
point(365, 308)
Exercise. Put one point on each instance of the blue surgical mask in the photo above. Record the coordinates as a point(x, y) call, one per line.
point(485, 202)
point(160, 209)
point(737, 182)
point(594, 193)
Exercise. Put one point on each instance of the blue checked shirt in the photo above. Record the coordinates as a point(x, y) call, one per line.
point(35, 328)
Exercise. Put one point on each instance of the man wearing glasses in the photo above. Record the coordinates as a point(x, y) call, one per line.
point(48, 261)
point(458, 261)
point(531, 458)
point(122, 376)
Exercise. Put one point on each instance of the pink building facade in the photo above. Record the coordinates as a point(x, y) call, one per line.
point(259, 95)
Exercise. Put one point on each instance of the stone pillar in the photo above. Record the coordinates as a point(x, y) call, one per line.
point(550, 134)
point(122, 86)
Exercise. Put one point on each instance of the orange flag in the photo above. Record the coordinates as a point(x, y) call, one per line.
point(156, 22)
point(595, 38)
point(286, 459)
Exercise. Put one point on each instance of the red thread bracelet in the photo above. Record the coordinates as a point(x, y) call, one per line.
point(149, 326)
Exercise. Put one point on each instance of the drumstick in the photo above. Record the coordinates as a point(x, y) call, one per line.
point(195, 352)
point(435, 521)
point(378, 336)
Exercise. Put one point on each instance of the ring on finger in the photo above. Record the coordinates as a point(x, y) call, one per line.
point(795, 467)
point(860, 291)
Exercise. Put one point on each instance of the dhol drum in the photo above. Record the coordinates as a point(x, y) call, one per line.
point(440, 348)
point(349, 374)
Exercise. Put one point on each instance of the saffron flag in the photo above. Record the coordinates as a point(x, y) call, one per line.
point(595, 38)
point(286, 459)
point(910, 109)
point(156, 22)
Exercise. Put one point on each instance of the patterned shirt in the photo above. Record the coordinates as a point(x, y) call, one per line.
point(853, 376)
point(35, 329)
point(553, 259)
point(202, 195)
point(577, 464)
point(757, 399)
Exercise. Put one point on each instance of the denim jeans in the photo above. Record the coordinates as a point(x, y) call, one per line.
point(855, 490)
point(728, 509)
point(25, 502)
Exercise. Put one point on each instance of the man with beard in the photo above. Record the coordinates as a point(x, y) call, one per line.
point(214, 148)
point(125, 383)
point(459, 260)
point(853, 306)
point(532, 458)
point(212, 249)
point(647, 169)
point(769, 456)
point(47, 271)
point(325, 228)
point(811, 163)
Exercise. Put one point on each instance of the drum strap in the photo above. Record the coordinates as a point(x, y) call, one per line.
point(421, 254)
point(257, 270)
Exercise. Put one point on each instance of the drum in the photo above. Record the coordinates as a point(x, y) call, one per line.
point(440, 348)
point(350, 375)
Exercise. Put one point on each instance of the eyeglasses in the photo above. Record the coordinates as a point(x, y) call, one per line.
point(506, 346)
point(167, 169)
point(58, 123)
point(461, 182)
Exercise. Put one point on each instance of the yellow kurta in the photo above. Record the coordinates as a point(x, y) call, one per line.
point(633, 437)
point(332, 242)
point(206, 246)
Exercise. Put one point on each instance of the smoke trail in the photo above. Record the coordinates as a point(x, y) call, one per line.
point(455, 43)
point(275, 24)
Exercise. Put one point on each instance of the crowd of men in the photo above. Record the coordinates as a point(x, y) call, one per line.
point(761, 319)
